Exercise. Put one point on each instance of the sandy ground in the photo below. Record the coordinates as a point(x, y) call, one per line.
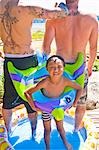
point(93, 87)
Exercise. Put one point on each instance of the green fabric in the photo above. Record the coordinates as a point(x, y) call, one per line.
point(58, 114)
point(70, 68)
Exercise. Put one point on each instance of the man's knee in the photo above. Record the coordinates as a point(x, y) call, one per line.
point(33, 120)
point(32, 115)
point(7, 112)
point(81, 108)
point(82, 101)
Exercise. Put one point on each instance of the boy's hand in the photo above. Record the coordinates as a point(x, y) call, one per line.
point(74, 104)
point(1, 54)
point(38, 109)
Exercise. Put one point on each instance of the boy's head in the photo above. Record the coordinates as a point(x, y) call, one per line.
point(55, 58)
point(55, 66)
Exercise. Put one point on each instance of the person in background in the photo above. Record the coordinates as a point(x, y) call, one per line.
point(15, 33)
point(72, 34)
point(55, 66)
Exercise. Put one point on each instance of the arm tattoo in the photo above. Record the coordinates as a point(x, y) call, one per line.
point(37, 12)
point(7, 20)
point(43, 13)
point(40, 13)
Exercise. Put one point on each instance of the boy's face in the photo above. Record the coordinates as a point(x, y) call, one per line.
point(55, 67)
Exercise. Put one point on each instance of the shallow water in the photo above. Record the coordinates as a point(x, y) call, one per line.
point(21, 137)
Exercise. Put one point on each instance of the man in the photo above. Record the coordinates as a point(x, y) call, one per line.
point(72, 34)
point(15, 27)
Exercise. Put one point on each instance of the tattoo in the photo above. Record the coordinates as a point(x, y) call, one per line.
point(38, 12)
point(43, 13)
point(7, 20)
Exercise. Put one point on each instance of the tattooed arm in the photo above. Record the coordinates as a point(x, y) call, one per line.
point(38, 12)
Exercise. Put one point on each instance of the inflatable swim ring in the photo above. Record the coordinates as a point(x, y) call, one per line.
point(23, 79)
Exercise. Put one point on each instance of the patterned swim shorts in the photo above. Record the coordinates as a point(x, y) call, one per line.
point(11, 98)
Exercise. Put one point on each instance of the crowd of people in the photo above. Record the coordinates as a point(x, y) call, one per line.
point(72, 31)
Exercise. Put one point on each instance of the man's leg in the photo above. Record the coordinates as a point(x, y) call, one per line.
point(7, 116)
point(11, 99)
point(79, 114)
point(32, 115)
point(8, 98)
point(81, 105)
point(33, 120)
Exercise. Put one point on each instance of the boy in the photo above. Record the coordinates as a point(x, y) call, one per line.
point(55, 66)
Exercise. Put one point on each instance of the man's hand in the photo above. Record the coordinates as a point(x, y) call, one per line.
point(1, 54)
point(89, 70)
point(38, 109)
point(63, 7)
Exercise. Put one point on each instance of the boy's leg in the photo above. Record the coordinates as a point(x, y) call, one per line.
point(47, 129)
point(61, 131)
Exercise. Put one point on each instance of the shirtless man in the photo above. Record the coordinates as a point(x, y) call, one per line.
point(15, 32)
point(72, 35)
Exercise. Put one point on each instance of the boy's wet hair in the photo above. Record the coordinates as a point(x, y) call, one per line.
point(55, 56)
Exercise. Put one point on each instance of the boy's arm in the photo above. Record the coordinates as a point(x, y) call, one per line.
point(30, 100)
point(28, 93)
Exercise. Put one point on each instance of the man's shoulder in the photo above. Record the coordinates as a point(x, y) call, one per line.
point(55, 22)
point(89, 17)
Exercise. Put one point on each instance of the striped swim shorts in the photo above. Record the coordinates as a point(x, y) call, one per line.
point(46, 116)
